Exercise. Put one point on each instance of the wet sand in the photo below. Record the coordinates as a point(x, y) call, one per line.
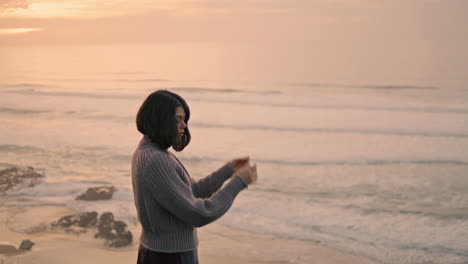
point(218, 244)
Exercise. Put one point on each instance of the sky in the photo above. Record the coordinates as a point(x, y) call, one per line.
point(307, 22)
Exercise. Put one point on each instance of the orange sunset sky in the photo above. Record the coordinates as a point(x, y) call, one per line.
point(411, 22)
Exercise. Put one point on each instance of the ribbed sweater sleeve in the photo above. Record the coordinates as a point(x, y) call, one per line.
point(205, 187)
point(176, 196)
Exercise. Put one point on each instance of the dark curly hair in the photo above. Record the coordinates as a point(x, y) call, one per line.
point(156, 119)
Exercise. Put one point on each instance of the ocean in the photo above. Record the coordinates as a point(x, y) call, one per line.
point(373, 162)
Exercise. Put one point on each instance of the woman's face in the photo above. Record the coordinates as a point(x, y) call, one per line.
point(180, 117)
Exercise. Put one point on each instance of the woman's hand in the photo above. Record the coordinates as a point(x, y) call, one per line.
point(248, 174)
point(236, 164)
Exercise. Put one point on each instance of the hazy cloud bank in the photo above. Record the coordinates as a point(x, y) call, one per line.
point(6, 4)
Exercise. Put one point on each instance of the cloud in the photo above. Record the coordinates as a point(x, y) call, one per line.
point(80, 9)
point(15, 31)
point(90, 9)
point(7, 4)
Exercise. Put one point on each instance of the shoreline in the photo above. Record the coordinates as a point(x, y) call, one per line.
point(218, 243)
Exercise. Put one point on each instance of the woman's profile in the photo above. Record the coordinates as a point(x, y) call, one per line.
point(170, 204)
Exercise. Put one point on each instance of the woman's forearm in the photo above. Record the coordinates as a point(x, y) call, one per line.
point(205, 187)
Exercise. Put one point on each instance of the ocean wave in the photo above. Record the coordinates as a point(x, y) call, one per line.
point(21, 111)
point(4, 165)
point(133, 96)
point(201, 89)
point(74, 152)
point(219, 90)
point(445, 110)
point(382, 87)
point(107, 154)
point(294, 193)
point(25, 85)
point(331, 130)
point(342, 107)
point(75, 94)
point(436, 212)
point(120, 72)
point(18, 148)
point(196, 159)
point(108, 117)
point(141, 80)
point(454, 214)
point(398, 87)
point(364, 162)
point(351, 231)
point(130, 118)
point(31, 203)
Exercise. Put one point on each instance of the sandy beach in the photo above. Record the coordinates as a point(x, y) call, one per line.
point(219, 244)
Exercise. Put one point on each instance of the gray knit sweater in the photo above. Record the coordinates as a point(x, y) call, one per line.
point(170, 204)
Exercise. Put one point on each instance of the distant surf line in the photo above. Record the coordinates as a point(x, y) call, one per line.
point(374, 86)
point(142, 80)
point(364, 162)
point(22, 149)
point(21, 111)
point(267, 104)
point(128, 119)
point(330, 130)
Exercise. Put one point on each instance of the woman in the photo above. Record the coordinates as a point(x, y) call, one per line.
point(170, 204)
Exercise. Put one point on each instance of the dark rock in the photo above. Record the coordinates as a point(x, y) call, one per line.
point(122, 240)
point(75, 230)
point(76, 221)
point(105, 226)
point(97, 193)
point(16, 177)
point(113, 231)
point(26, 245)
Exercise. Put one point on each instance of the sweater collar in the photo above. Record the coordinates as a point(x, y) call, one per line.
point(147, 143)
